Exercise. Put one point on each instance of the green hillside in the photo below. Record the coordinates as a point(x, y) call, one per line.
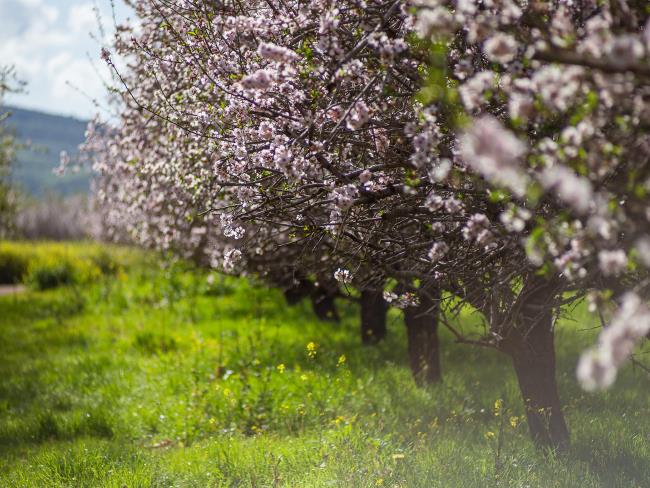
point(46, 135)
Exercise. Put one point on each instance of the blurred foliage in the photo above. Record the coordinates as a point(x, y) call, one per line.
point(42, 275)
point(44, 265)
point(13, 264)
point(56, 218)
point(7, 155)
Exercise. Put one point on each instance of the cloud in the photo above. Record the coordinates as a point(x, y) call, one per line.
point(19, 16)
point(82, 18)
point(34, 32)
point(49, 42)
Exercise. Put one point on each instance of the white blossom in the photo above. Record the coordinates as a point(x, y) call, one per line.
point(495, 153)
point(230, 259)
point(259, 80)
point(500, 48)
point(359, 116)
point(573, 189)
point(612, 263)
point(471, 92)
point(438, 251)
point(273, 52)
point(439, 170)
point(598, 367)
point(343, 276)
point(433, 21)
point(625, 50)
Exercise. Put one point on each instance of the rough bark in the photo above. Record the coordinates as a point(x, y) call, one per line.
point(373, 316)
point(532, 349)
point(423, 342)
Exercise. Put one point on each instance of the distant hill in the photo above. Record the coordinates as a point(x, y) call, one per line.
point(47, 136)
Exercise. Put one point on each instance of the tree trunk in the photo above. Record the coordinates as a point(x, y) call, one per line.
point(297, 291)
point(423, 343)
point(322, 302)
point(533, 354)
point(373, 316)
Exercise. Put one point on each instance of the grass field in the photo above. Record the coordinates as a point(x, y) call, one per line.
point(156, 376)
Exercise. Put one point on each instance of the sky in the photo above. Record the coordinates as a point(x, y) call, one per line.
point(49, 43)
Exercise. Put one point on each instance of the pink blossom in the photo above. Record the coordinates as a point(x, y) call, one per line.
point(259, 80)
point(495, 153)
point(273, 52)
point(500, 48)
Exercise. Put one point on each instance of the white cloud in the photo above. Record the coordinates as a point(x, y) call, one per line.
point(48, 42)
point(82, 18)
point(77, 82)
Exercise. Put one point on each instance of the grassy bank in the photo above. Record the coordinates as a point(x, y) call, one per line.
point(156, 376)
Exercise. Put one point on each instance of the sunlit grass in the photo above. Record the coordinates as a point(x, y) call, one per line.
point(151, 376)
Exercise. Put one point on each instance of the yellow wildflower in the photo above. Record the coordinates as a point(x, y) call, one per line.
point(312, 349)
point(498, 405)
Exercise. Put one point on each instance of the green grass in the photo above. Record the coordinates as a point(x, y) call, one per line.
point(152, 377)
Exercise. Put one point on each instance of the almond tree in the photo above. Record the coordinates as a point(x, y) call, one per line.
point(550, 106)
point(441, 147)
point(173, 169)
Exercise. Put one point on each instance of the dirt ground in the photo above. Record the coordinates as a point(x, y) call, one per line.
point(11, 289)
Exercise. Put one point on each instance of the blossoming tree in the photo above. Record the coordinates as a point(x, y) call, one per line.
point(517, 176)
point(153, 189)
point(553, 97)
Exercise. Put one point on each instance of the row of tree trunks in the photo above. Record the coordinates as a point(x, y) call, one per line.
point(323, 305)
point(322, 299)
point(530, 345)
point(421, 324)
point(374, 310)
point(421, 331)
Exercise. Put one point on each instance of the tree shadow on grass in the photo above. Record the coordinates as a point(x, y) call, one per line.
point(29, 307)
point(48, 426)
point(615, 465)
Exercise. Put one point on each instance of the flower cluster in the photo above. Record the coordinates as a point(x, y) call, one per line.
point(598, 367)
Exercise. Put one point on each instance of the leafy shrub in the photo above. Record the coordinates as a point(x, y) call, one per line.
point(104, 262)
point(46, 275)
point(13, 266)
point(59, 269)
point(44, 265)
